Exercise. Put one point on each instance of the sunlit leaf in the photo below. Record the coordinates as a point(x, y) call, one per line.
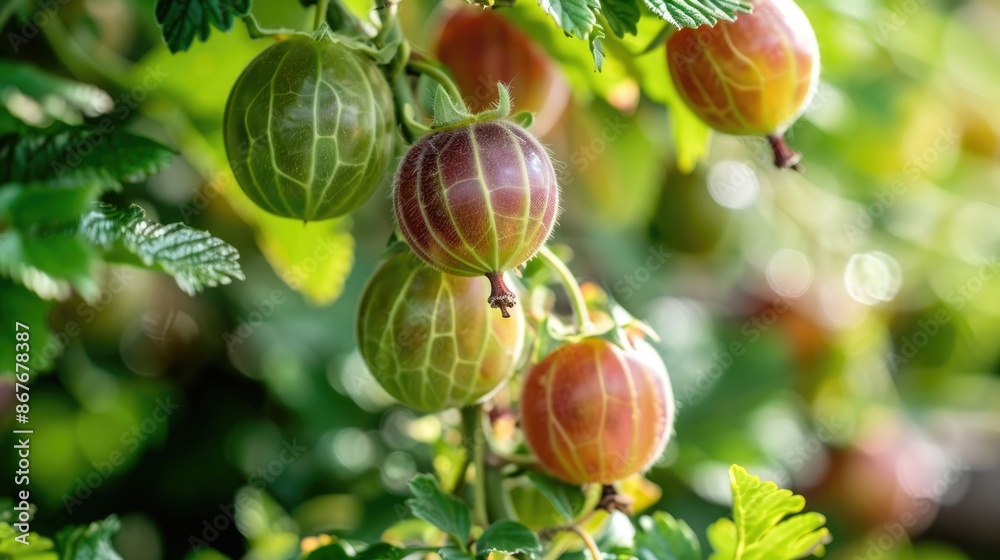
point(510, 538)
point(439, 509)
point(766, 523)
point(661, 537)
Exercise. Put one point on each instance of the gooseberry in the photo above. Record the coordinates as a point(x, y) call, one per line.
point(428, 339)
point(309, 128)
point(478, 199)
point(752, 76)
point(592, 411)
point(482, 48)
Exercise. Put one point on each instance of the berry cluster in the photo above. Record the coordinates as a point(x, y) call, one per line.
point(311, 127)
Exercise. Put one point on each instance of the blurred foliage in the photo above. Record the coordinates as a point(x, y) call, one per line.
point(832, 331)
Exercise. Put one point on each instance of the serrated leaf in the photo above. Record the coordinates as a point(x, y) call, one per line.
point(194, 258)
point(37, 98)
point(622, 15)
point(661, 537)
point(90, 542)
point(566, 498)
point(575, 17)
point(80, 153)
point(38, 547)
point(183, 20)
point(439, 509)
point(508, 537)
point(693, 13)
point(766, 523)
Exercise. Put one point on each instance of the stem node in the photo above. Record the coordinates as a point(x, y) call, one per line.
point(784, 156)
point(500, 295)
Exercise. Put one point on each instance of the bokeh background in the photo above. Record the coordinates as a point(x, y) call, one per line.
point(835, 331)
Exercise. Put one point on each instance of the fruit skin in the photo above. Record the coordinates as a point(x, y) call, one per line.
point(479, 199)
point(752, 76)
point(482, 48)
point(310, 128)
point(429, 340)
point(594, 412)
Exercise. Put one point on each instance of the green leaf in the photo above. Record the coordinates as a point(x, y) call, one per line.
point(38, 547)
point(765, 525)
point(37, 98)
point(661, 537)
point(454, 553)
point(575, 17)
point(693, 13)
point(91, 542)
point(49, 266)
point(206, 554)
point(385, 551)
point(334, 551)
point(439, 509)
point(510, 538)
point(566, 498)
point(597, 47)
point(622, 16)
point(194, 258)
point(183, 20)
point(80, 153)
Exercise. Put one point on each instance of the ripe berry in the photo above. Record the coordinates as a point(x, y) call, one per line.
point(594, 412)
point(752, 76)
point(482, 48)
point(428, 339)
point(309, 128)
point(477, 200)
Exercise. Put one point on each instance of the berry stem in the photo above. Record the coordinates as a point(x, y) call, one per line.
point(576, 299)
point(500, 295)
point(257, 32)
point(595, 552)
point(784, 156)
point(438, 75)
point(475, 442)
point(321, 8)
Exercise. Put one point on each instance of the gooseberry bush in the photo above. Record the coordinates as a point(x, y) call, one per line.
point(463, 303)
